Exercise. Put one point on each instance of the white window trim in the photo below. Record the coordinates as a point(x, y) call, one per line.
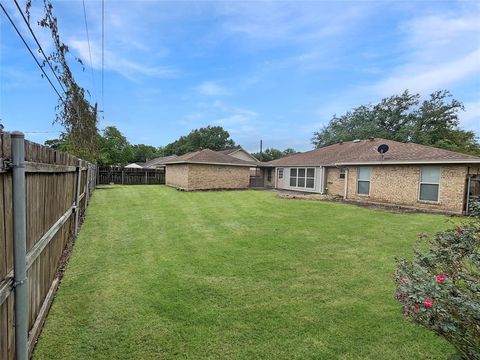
point(306, 177)
point(420, 183)
point(369, 182)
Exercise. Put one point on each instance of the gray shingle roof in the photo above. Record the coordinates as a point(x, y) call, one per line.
point(208, 156)
point(365, 151)
point(158, 161)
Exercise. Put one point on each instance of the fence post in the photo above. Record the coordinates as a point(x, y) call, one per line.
point(146, 177)
point(87, 187)
point(19, 246)
point(77, 197)
point(122, 175)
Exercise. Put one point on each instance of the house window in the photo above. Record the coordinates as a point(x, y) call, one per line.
point(342, 173)
point(363, 181)
point(293, 177)
point(302, 178)
point(310, 183)
point(429, 183)
point(269, 175)
point(280, 173)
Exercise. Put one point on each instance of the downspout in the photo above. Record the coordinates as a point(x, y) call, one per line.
point(323, 180)
point(19, 246)
point(276, 176)
point(345, 191)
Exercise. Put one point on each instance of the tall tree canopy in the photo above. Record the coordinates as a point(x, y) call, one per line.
point(210, 137)
point(74, 112)
point(142, 153)
point(404, 118)
point(114, 148)
point(272, 154)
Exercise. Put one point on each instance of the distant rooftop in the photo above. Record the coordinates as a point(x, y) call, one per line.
point(208, 156)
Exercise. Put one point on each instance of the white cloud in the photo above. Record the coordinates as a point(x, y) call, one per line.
point(440, 51)
point(421, 78)
point(126, 67)
point(212, 88)
point(288, 22)
point(470, 119)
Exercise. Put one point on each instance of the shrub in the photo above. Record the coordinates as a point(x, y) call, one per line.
point(474, 208)
point(440, 287)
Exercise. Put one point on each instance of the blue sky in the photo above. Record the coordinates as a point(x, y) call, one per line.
point(275, 71)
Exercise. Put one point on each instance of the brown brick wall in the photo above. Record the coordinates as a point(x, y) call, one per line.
point(334, 185)
point(400, 185)
point(176, 175)
point(205, 177)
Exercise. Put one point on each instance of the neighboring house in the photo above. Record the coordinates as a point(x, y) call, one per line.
point(158, 163)
point(240, 153)
point(133, 166)
point(207, 169)
point(407, 174)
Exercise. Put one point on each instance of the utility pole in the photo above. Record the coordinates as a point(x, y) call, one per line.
point(261, 151)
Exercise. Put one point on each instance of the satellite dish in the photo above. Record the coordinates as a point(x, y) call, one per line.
point(382, 149)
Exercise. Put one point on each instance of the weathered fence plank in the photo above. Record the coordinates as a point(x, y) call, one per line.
point(51, 183)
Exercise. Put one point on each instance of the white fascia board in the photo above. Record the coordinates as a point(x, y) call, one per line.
point(409, 162)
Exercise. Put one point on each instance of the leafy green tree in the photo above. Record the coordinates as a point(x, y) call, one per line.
point(272, 154)
point(142, 153)
point(210, 137)
point(74, 112)
point(288, 152)
point(60, 144)
point(434, 122)
point(114, 148)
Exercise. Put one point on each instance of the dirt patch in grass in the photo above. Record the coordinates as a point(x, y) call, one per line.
point(391, 208)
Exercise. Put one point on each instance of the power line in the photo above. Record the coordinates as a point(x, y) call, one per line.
point(103, 58)
point(89, 49)
point(42, 132)
point(31, 52)
point(38, 44)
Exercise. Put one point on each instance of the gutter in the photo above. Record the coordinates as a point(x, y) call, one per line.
point(345, 190)
point(409, 162)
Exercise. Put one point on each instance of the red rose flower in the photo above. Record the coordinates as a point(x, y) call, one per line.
point(428, 303)
point(459, 229)
point(440, 278)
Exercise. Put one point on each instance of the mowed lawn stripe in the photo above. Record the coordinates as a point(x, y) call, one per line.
point(160, 274)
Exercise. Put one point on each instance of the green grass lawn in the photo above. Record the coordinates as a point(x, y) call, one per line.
point(161, 274)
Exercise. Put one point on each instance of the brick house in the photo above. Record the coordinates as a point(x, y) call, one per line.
point(208, 170)
point(408, 174)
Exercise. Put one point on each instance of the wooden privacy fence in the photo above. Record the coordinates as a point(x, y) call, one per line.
point(129, 176)
point(44, 194)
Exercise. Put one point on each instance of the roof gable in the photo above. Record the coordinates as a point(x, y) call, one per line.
point(238, 152)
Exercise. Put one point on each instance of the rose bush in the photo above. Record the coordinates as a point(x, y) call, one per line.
point(440, 287)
